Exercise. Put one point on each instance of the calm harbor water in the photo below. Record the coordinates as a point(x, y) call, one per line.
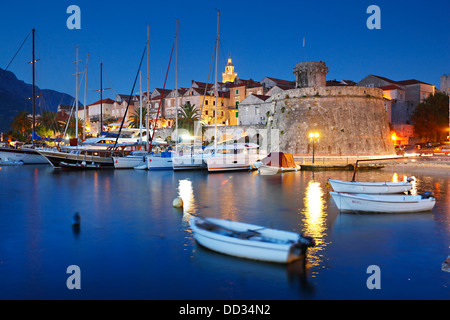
point(134, 245)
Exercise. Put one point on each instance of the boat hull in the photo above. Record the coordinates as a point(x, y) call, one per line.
point(382, 204)
point(128, 162)
point(26, 155)
point(188, 162)
point(56, 157)
point(271, 170)
point(159, 163)
point(230, 163)
point(283, 252)
point(370, 187)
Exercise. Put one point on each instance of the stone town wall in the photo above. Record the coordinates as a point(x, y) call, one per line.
point(350, 121)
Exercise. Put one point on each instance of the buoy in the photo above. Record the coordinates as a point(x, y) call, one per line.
point(76, 220)
point(177, 202)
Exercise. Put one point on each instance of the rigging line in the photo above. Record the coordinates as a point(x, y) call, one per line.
point(17, 51)
point(129, 98)
point(160, 101)
point(206, 88)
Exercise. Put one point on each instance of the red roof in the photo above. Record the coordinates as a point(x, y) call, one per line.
point(391, 87)
point(104, 101)
point(411, 81)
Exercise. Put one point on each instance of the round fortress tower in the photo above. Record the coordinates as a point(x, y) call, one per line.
point(351, 120)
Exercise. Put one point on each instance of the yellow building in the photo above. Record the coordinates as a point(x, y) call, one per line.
point(229, 75)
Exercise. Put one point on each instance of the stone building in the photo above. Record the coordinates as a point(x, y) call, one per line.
point(229, 75)
point(350, 120)
point(445, 83)
point(401, 98)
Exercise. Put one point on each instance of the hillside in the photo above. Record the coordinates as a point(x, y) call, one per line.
point(15, 96)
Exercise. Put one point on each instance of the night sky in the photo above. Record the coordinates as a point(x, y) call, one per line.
point(264, 38)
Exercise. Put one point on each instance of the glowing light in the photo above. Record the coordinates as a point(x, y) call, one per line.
point(186, 193)
point(393, 137)
point(315, 220)
point(314, 135)
point(395, 177)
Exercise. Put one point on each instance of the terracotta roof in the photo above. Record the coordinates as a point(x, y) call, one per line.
point(282, 82)
point(104, 101)
point(391, 87)
point(383, 78)
point(411, 81)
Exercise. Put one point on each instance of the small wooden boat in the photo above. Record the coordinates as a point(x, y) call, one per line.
point(79, 166)
point(370, 187)
point(250, 241)
point(383, 203)
point(277, 162)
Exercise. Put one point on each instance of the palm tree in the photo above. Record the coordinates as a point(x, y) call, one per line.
point(135, 118)
point(50, 122)
point(187, 116)
point(21, 123)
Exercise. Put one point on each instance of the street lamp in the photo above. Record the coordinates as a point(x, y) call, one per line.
point(313, 136)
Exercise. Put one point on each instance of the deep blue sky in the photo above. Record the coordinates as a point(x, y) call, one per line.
point(263, 37)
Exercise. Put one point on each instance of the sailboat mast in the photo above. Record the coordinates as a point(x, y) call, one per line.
point(148, 87)
point(33, 92)
point(176, 96)
point(140, 105)
point(76, 100)
point(101, 97)
point(215, 85)
point(85, 93)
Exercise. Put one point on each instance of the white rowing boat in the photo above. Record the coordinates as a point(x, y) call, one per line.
point(383, 203)
point(249, 241)
point(370, 187)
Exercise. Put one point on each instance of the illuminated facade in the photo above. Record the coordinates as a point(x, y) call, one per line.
point(229, 75)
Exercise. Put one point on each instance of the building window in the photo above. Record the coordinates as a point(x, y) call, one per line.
point(257, 112)
point(237, 104)
point(246, 111)
point(206, 112)
point(206, 102)
point(237, 91)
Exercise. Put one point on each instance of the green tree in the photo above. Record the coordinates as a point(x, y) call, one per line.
point(187, 116)
point(431, 117)
point(21, 123)
point(135, 118)
point(50, 123)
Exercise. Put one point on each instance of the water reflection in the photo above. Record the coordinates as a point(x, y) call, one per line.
point(315, 220)
point(186, 193)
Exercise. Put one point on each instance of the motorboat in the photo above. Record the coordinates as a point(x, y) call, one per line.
point(236, 156)
point(24, 155)
point(135, 158)
point(250, 241)
point(277, 162)
point(370, 187)
point(160, 161)
point(80, 165)
point(386, 203)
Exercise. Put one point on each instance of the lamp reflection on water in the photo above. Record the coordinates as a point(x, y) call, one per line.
point(314, 221)
point(186, 193)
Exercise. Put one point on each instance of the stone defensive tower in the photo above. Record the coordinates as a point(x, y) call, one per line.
point(311, 74)
point(351, 120)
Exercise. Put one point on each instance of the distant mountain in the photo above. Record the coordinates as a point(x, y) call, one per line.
point(15, 96)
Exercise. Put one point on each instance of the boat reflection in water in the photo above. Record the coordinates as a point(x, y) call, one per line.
point(314, 221)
